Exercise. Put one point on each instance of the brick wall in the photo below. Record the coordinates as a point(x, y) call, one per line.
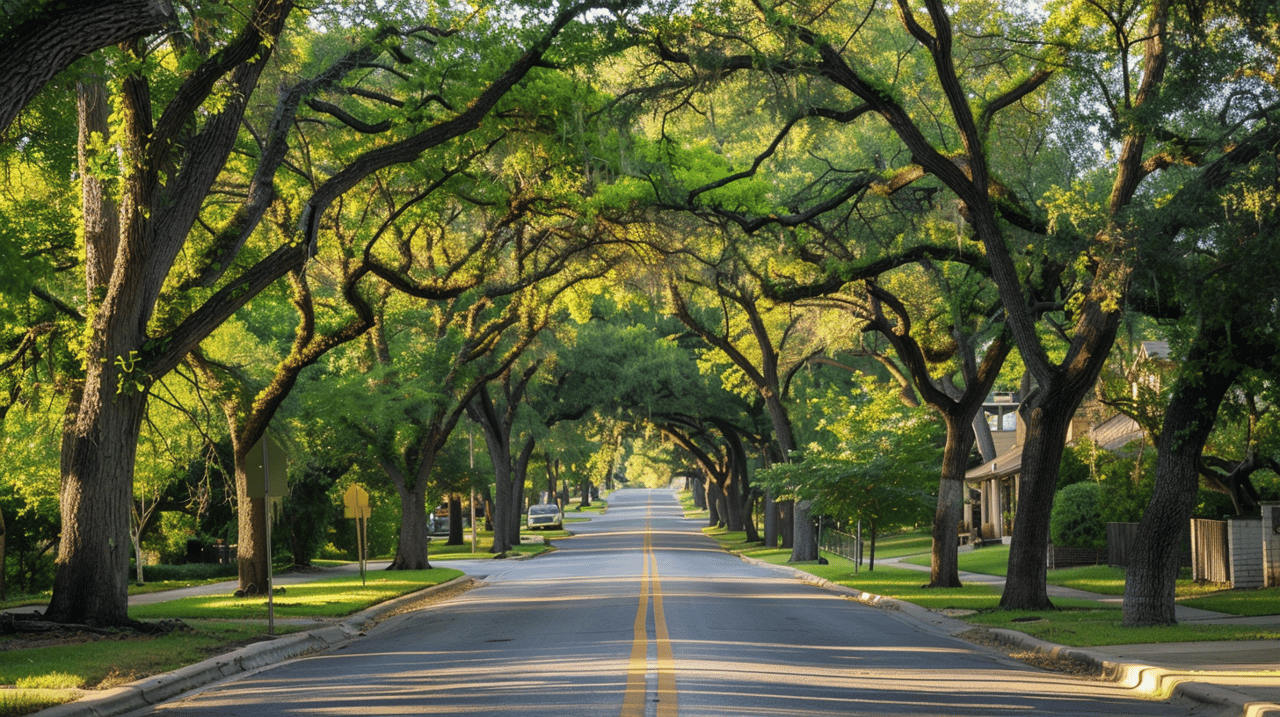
point(1244, 537)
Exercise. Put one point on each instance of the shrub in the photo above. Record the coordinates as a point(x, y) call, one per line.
point(188, 571)
point(1076, 521)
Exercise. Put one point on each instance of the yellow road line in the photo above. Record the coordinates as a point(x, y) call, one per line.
point(633, 701)
point(668, 704)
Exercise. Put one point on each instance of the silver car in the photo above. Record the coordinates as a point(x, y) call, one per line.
point(545, 515)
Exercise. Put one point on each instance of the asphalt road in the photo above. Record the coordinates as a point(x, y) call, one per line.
point(640, 615)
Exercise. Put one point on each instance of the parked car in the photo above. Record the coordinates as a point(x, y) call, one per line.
point(545, 515)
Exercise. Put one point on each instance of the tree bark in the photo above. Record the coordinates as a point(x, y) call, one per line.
point(61, 33)
point(455, 520)
point(733, 505)
point(786, 520)
point(714, 501)
point(91, 581)
point(770, 520)
point(944, 566)
point(1048, 421)
point(415, 530)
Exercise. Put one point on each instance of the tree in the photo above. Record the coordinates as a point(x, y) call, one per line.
point(878, 467)
point(1233, 333)
point(1080, 278)
point(760, 359)
point(171, 160)
point(510, 466)
point(958, 408)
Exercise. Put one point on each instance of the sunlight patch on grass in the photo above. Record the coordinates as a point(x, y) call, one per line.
point(1095, 626)
point(332, 597)
point(25, 701)
point(1265, 601)
point(49, 681)
point(123, 658)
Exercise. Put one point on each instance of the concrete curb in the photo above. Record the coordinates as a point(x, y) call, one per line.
point(160, 688)
point(1149, 680)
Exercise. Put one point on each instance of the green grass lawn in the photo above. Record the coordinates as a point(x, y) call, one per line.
point(1085, 627)
point(1109, 580)
point(1074, 622)
point(330, 597)
point(898, 546)
point(115, 660)
point(41, 677)
point(1265, 601)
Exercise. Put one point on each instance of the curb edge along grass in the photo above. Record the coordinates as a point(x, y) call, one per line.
point(1148, 680)
point(153, 690)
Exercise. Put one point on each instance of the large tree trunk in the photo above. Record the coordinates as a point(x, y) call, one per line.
point(520, 473)
point(714, 495)
point(1151, 579)
point(770, 520)
point(91, 585)
point(415, 531)
point(945, 568)
point(455, 520)
point(252, 552)
point(748, 517)
point(786, 522)
point(504, 505)
point(805, 543)
point(1047, 426)
point(733, 505)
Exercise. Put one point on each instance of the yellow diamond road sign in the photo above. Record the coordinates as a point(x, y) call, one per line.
point(355, 502)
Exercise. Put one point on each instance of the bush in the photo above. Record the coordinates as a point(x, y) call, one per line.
point(1076, 521)
point(188, 571)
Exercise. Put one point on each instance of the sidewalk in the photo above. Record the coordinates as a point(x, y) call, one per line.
point(1243, 677)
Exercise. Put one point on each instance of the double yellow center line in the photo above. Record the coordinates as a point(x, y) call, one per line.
point(633, 702)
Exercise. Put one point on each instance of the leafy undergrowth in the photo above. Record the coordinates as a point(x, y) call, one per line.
point(331, 597)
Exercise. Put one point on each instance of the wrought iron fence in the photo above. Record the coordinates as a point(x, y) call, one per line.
point(845, 545)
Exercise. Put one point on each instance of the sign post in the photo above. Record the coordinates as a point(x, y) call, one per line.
point(266, 468)
point(356, 505)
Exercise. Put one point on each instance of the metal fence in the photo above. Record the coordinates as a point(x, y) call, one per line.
point(843, 544)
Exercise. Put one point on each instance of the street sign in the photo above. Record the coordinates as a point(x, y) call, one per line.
point(266, 467)
point(355, 502)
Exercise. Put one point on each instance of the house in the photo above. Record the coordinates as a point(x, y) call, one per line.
point(994, 485)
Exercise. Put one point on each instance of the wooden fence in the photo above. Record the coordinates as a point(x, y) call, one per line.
point(1209, 552)
point(1120, 540)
